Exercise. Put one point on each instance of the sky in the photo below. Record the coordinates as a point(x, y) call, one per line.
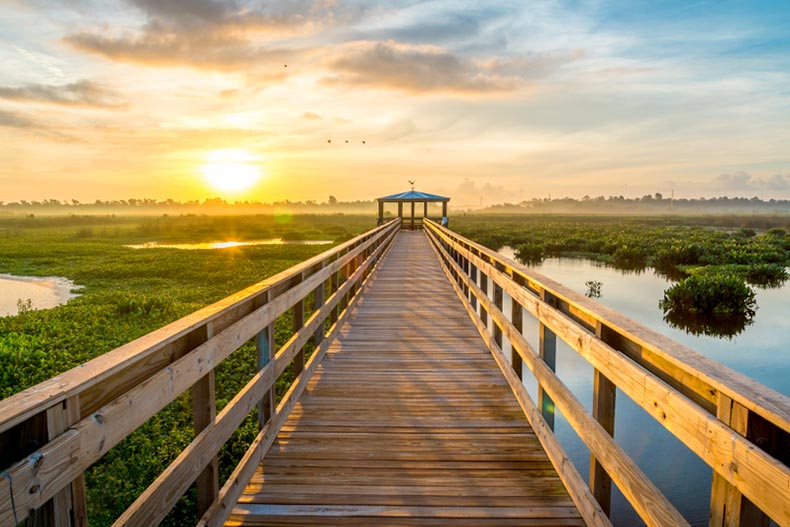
point(486, 102)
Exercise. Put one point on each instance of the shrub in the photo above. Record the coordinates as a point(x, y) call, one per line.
point(132, 304)
point(766, 275)
point(717, 305)
point(529, 253)
point(713, 294)
point(291, 236)
point(670, 258)
point(84, 232)
point(629, 257)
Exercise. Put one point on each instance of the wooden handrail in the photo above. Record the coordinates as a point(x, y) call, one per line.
point(127, 386)
point(666, 380)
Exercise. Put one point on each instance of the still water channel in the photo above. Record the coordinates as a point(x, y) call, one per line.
point(761, 352)
point(35, 292)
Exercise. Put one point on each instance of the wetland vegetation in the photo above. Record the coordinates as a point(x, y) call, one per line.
point(715, 260)
point(127, 293)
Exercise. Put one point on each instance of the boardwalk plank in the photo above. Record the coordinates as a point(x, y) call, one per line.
point(408, 421)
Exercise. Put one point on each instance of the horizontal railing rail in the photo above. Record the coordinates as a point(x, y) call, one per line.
point(737, 426)
point(51, 433)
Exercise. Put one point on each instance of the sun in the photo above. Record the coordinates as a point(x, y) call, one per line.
point(231, 170)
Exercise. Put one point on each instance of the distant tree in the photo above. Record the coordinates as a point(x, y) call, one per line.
point(332, 200)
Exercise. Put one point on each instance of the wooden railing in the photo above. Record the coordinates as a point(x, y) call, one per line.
point(51, 433)
point(737, 426)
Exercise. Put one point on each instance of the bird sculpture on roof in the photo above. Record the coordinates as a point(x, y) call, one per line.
point(411, 183)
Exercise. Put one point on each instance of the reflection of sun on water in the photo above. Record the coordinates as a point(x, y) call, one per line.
point(230, 170)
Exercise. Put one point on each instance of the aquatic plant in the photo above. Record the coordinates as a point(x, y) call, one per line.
point(593, 288)
point(714, 304)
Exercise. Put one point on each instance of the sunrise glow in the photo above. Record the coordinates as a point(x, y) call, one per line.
point(230, 170)
point(487, 103)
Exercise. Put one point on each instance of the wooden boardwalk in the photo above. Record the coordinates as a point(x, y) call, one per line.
point(407, 421)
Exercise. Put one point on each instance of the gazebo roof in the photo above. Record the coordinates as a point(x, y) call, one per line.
point(414, 195)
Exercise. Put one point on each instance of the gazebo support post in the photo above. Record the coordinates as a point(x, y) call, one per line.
point(413, 197)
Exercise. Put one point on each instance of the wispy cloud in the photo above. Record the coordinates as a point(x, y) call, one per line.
point(205, 34)
point(82, 93)
point(25, 123)
point(15, 120)
point(48, 63)
point(414, 69)
point(745, 181)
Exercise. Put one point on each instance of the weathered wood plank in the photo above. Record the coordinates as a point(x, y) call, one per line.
point(406, 415)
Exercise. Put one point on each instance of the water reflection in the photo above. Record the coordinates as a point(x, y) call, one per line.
point(759, 351)
point(226, 244)
point(23, 293)
point(721, 325)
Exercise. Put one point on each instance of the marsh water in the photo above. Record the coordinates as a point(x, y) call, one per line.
point(761, 352)
point(226, 244)
point(35, 292)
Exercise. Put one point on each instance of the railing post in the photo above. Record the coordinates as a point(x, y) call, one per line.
point(473, 277)
point(333, 285)
point(298, 323)
point(517, 319)
point(69, 505)
point(265, 350)
point(725, 500)
point(204, 410)
point(603, 410)
point(482, 311)
point(547, 350)
point(498, 302)
point(318, 295)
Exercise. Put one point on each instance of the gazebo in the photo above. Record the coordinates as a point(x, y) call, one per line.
point(412, 196)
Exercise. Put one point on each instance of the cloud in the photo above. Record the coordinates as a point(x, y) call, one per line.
point(205, 34)
point(23, 122)
point(15, 120)
point(47, 62)
point(533, 65)
point(82, 93)
point(414, 69)
point(745, 181)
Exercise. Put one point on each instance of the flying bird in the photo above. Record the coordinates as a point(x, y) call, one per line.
point(363, 142)
point(346, 140)
point(328, 140)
